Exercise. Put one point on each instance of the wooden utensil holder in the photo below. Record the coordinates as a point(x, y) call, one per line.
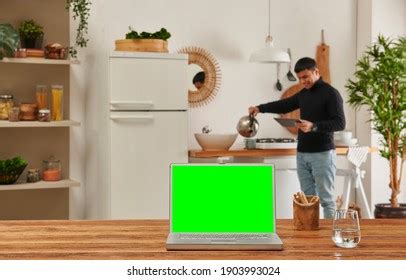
point(306, 216)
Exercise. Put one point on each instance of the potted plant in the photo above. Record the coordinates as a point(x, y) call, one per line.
point(380, 85)
point(31, 34)
point(11, 169)
point(9, 40)
point(144, 41)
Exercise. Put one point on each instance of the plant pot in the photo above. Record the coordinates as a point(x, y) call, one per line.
point(142, 45)
point(384, 211)
point(31, 43)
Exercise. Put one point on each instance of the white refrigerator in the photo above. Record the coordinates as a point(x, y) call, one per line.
point(148, 131)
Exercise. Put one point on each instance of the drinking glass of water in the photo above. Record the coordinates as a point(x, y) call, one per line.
point(346, 230)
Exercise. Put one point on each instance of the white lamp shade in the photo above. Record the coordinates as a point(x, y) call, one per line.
point(270, 54)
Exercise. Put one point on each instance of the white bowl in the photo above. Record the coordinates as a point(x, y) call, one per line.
point(343, 136)
point(215, 142)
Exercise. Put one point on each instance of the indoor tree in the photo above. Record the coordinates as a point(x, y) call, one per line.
point(380, 85)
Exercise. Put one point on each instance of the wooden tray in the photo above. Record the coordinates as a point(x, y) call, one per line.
point(142, 45)
point(35, 53)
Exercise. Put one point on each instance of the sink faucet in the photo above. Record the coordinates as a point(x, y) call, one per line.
point(206, 129)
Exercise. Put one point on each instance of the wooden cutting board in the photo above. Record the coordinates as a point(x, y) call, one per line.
point(322, 60)
point(294, 114)
point(323, 63)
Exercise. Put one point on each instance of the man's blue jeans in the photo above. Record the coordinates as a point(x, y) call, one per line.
point(316, 172)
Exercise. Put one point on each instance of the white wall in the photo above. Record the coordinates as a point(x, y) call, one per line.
point(389, 18)
point(231, 31)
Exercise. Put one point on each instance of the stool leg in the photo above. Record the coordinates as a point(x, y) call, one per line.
point(346, 191)
point(363, 196)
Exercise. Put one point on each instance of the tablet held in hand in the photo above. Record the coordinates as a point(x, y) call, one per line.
point(288, 122)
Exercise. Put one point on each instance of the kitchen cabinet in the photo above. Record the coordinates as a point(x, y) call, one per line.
point(36, 141)
point(148, 131)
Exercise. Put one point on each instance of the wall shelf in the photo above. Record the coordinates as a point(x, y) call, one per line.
point(35, 60)
point(41, 185)
point(65, 123)
point(33, 140)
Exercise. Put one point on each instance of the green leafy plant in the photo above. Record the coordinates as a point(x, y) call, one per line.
point(9, 165)
point(11, 169)
point(9, 40)
point(30, 29)
point(162, 34)
point(380, 84)
point(81, 11)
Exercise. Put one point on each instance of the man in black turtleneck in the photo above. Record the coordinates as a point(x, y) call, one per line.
point(321, 113)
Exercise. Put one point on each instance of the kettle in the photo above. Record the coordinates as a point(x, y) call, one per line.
point(248, 126)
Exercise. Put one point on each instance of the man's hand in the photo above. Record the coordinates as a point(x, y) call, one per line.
point(304, 126)
point(253, 110)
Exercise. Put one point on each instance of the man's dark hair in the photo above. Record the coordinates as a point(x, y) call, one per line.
point(305, 63)
point(199, 77)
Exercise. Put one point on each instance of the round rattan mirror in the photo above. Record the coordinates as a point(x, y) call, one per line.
point(206, 82)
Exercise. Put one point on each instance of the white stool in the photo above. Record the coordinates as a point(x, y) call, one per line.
point(353, 177)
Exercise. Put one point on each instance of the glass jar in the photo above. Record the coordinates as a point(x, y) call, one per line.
point(28, 111)
point(44, 115)
point(20, 53)
point(6, 103)
point(41, 95)
point(14, 114)
point(33, 175)
point(57, 103)
point(51, 169)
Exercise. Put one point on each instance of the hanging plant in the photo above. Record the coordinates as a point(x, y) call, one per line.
point(81, 11)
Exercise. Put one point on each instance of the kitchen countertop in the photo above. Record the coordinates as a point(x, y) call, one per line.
point(256, 152)
point(145, 239)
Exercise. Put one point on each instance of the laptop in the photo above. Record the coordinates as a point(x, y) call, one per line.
point(222, 207)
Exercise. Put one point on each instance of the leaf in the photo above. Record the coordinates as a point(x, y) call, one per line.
point(9, 165)
point(80, 12)
point(9, 40)
point(162, 34)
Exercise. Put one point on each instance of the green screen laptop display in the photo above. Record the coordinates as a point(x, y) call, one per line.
point(222, 198)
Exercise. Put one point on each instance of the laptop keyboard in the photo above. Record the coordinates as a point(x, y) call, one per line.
point(223, 236)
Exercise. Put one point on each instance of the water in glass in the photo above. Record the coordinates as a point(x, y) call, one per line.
point(346, 229)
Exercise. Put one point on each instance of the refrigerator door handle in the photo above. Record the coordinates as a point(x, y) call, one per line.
point(133, 104)
point(123, 118)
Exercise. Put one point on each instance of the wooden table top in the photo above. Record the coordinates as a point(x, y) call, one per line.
point(259, 152)
point(145, 239)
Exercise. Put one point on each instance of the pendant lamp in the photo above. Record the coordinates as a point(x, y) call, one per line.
point(269, 54)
